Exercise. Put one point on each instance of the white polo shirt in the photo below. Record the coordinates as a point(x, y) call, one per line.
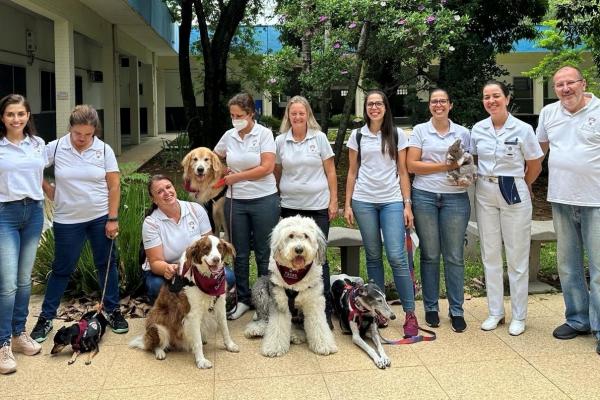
point(504, 153)
point(574, 160)
point(377, 180)
point(242, 154)
point(22, 169)
point(434, 148)
point(81, 192)
point(303, 184)
point(160, 230)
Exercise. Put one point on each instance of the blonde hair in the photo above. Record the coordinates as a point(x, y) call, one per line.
point(311, 122)
point(85, 114)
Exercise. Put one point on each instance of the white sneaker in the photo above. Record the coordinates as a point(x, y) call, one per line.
point(25, 344)
point(516, 327)
point(492, 322)
point(7, 360)
point(240, 309)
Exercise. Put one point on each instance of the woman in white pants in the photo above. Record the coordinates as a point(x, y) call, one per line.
point(509, 161)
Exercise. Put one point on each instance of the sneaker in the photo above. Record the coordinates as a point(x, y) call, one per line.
point(516, 327)
point(117, 322)
point(411, 326)
point(458, 323)
point(566, 331)
point(432, 319)
point(41, 329)
point(8, 364)
point(492, 322)
point(25, 344)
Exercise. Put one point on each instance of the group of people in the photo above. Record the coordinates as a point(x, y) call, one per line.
point(295, 174)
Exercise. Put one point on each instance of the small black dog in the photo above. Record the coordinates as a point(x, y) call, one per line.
point(84, 336)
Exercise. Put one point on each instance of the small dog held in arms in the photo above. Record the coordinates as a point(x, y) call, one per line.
point(84, 336)
point(294, 286)
point(466, 174)
point(183, 307)
point(203, 172)
point(359, 307)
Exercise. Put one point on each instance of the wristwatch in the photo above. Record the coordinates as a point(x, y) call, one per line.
point(408, 201)
point(113, 219)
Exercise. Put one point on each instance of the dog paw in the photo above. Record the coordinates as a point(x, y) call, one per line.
point(88, 363)
point(381, 363)
point(232, 347)
point(387, 361)
point(160, 354)
point(203, 363)
point(324, 350)
point(274, 352)
point(297, 337)
point(70, 362)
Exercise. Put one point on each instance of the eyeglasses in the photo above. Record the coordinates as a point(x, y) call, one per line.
point(442, 102)
point(375, 104)
point(568, 84)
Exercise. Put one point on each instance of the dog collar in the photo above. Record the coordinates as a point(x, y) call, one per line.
point(187, 186)
point(356, 310)
point(292, 276)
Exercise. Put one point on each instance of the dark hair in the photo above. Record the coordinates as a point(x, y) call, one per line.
point(85, 114)
point(389, 133)
point(243, 101)
point(9, 100)
point(155, 178)
point(439, 89)
point(501, 85)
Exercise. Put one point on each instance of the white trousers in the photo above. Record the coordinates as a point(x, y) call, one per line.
point(500, 222)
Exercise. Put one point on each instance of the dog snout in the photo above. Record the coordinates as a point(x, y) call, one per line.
point(392, 316)
point(200, 170)
point(299, 249)
point(216, 259)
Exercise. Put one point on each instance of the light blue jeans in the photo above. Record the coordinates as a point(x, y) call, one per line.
point(441, 220)
point(375, 219)
point(20, 229)
point(578, 229)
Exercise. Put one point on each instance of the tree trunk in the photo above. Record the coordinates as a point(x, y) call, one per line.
point(192, 116)
point(215, 53)
point(349, 101)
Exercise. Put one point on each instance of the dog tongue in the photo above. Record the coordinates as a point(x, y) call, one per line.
point(298, 262)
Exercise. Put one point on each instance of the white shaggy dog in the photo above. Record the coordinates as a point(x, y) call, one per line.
point(294, 285)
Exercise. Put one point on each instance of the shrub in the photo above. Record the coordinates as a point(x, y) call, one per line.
point(355, 121)
point(270, 122)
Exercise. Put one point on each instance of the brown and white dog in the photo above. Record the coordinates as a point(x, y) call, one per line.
point(180, 312)
point(202, 174)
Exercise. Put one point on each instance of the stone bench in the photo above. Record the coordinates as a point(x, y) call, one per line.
point(349, 241)
point(541, 231)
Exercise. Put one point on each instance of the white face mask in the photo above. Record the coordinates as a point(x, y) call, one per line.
point(239, 124)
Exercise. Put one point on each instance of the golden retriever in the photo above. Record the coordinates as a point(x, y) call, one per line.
point(202, 171)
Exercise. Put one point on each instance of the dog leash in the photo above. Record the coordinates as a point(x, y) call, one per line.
point(412, 339)
point(101, 304)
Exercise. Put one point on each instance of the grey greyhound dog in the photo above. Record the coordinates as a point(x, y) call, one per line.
point(360, 307)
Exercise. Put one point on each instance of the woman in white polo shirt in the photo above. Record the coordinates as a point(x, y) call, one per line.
point(86, 200)
point(305, 172)
point(22, 161)
point(252, 203)
point(441, 209)
point(378, 197)
point(509, 161)
point(170, 226)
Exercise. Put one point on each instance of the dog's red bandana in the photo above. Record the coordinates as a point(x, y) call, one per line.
point(187, 186)
point(213, 285)
point(292, 276)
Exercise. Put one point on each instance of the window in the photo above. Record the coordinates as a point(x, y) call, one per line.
point(523, 95)
point(48, 92)
point(12, 80)
point(78, 89)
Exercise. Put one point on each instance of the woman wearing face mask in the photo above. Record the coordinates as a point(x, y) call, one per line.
point(509, 161)
point(441, 209)
point(252, 203)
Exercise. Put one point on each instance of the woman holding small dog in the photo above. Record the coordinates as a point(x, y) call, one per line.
point(86, 200)
point(441, 209)
point(305, 173)
point(22, 161)
point(378, 197)
point(170, 226)
point(509, 161)
point(252, 202)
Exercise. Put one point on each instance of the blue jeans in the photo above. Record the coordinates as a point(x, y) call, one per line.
point(441, 221)
point(578, 229)
point(375, 219)
point(68, 244)
point(20, 230)
point(252, 222)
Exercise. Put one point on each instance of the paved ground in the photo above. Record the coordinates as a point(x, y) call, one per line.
point(474, 364)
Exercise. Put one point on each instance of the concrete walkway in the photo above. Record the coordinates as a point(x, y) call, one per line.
point(474, 364)
point(141, 153)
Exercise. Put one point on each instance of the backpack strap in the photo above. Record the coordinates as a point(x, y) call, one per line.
point(358, 139)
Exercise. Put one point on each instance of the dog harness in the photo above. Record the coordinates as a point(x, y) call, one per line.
point(208, 206)
point(293, 276)
point(87, 329)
